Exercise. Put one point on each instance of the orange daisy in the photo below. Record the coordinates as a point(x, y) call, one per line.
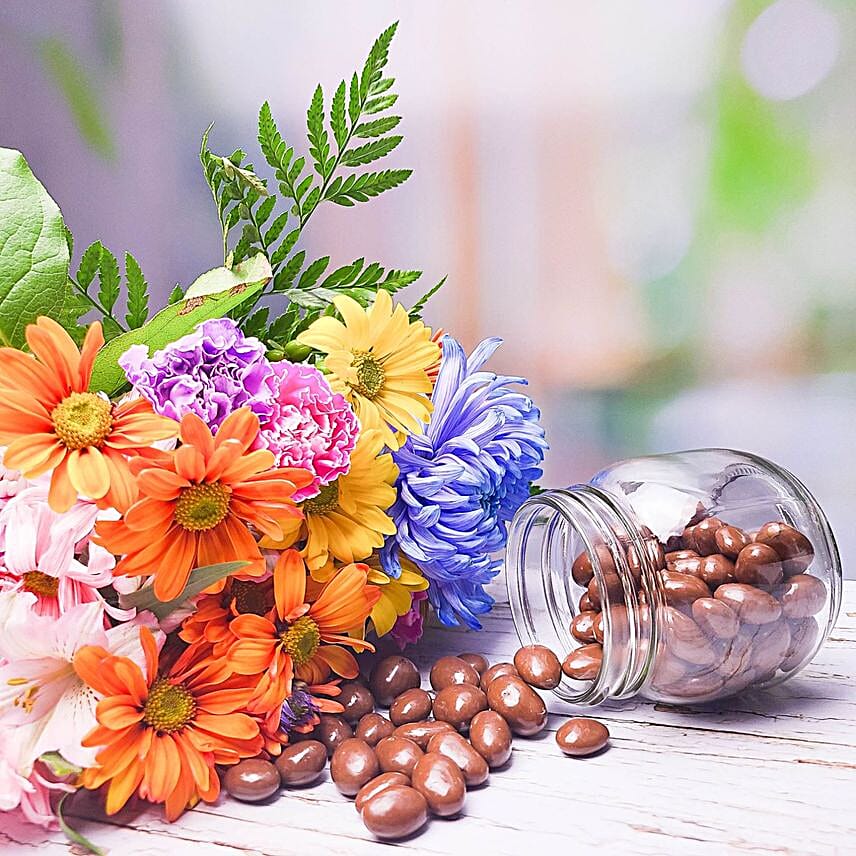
point(210, 623)
point(196, 504)
point(50, 421)
point(287, 642)
point(162, 734)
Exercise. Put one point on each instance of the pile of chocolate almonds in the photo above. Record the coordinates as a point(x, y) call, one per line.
point(421, 758)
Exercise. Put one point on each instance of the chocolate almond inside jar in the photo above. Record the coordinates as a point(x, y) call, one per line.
point(683, 578)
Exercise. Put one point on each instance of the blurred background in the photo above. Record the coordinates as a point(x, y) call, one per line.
point(652, 203)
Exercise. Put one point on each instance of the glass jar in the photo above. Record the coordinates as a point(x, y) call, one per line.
point(681, 578)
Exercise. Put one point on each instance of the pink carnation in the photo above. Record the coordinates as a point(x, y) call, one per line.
point(310, 427)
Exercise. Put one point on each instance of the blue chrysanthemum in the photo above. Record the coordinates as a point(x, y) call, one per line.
point(462, 480)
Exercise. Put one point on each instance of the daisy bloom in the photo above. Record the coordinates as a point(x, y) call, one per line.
point(379, 360)
point(47, 554)
point(288, 642)
point(162, 733)
point(196, 504)
point(50, 421)
point(347, 520)
point(43, 702)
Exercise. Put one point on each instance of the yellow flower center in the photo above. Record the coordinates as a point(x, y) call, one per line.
point(325, 501)
point(169, 706)
point(301, 640)
point(370, 374)
point(251, 597)
point(202, 506)
point(82, 419)
point(40, 583)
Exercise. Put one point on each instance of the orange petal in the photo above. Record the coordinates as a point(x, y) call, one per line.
point(88, 472)
point(56, 349)
point(123, 486)
point(161, 484)
point(241, 425)
point(62, 494)
point(251, 626)
point(342, 662)
point(34, 454)
point(194, 432)
point(150, 514)
point(175, 567)
point(224, 457)
point(248, 465)
point(117, 712)
point(251, 656)
point(189, 464)
point(289, 582)
point(122, 786)
point(235, 725)
point(92, 344)
point(20, 371)
point(150, 651)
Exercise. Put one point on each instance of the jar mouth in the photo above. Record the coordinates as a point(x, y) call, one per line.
point(548, 531)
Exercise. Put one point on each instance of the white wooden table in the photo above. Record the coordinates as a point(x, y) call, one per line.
point(763, 773)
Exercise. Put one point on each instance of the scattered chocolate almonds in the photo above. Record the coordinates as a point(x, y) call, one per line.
point(440, 780)
point(581, 736)
point(252, 780)
point(395, 812)
point(538, 666)
point(302, 763)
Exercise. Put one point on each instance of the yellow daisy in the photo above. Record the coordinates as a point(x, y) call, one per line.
point(395, 594)
point(379, 360)
point(347, 520)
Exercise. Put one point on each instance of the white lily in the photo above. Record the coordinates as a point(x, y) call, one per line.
point(43, 703)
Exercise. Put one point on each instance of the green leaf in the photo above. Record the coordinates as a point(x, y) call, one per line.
point(138, 293)
point(377, 59)
point(33, 251)
point(175, 295)
point(370, 151)
point(285, 277)
point(416, 310)
point(213, 295)
point(73, 835)
point(377, 128)
point(276, 228)
point(69, 239)
point(243, 176)
point(319, 142)
point(337, 116)
point(264, 210)
point(108, 275)
point(377, 105)
point(313, 273)
point(197, 582)
point(58, 765)
point(254, 270)
point(80, 94)
point(90, 261)
point(354, 99)
point(360, 188)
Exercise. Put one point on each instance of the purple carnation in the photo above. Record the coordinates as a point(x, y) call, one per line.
point(310, 426)
point(211, 372)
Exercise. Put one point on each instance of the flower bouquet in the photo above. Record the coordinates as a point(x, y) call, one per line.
point(205, 514)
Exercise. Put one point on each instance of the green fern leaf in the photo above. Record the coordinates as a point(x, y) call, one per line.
point(108, 275)
point(138, 294)
point(370, 151)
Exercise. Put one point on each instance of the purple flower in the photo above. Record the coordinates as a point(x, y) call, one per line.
point(299, 709)
point(461, 481)
point(407, 629)
point(211, 372)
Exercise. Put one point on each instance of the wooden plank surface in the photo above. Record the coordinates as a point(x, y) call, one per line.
point(763, 773)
